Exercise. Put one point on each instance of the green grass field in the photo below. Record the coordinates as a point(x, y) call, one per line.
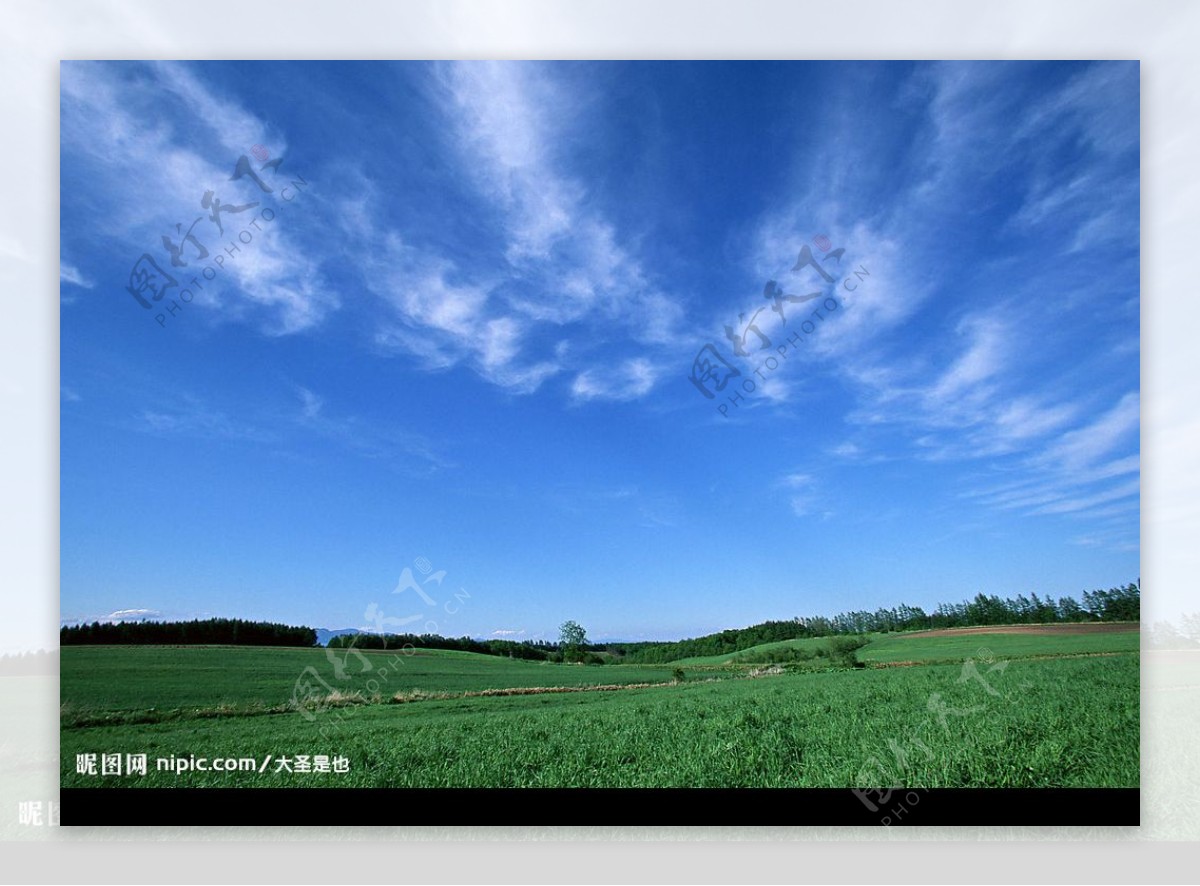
point(754, 654)
point(900, 647)
point(1039, 721)
point(946, 648)
point(99, 679)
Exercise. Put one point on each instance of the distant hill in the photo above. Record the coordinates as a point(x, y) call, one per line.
point(324, 635)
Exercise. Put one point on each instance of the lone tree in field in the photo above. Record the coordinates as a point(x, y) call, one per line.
point(572, 638)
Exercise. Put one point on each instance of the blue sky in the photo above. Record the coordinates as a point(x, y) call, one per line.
point(462, 344)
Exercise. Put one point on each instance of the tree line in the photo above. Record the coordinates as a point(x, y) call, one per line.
point(538, 650)
point(218, 631)
point(1114, 604)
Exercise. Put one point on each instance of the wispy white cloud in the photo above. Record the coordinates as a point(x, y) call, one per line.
point(190, 417)
point(648, 508)
point(402, 448)
point(1063, 457)
point(561, 262)
point(1098, 105)
point(775, 390)
point(1092, 204)
point(235, 128)
point(564, 262)
point(1081, 472)
point(801, 491)
point(972, 393)
point(503, 113)
point(1024, 418)
point(133, 614)
point(1037, 487)
point(1115, 541)
point(71, 274)
point(194, 419)
point(1079, 449)
point(965, 403)
point(985, 356)
point(310, 403)
point(1067, 505)
point(128, 130)
point(509, 122)
point(445, 319)
point(121, 615)
point(628, 380)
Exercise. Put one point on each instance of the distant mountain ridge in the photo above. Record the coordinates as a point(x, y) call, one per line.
point(325, 634)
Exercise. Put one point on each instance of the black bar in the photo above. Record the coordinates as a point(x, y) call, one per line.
point(1035, 807)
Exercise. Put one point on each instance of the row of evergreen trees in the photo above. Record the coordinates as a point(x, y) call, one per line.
point(1114, 604)
point(223, 631)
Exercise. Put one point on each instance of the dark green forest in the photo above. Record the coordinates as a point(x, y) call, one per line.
point(212, 631)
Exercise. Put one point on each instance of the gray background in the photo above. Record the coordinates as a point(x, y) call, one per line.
point(36, 35)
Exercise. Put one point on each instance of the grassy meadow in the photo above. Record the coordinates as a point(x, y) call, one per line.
point(1034, 710)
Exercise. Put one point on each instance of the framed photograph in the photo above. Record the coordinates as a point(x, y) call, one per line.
point(559, 442)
